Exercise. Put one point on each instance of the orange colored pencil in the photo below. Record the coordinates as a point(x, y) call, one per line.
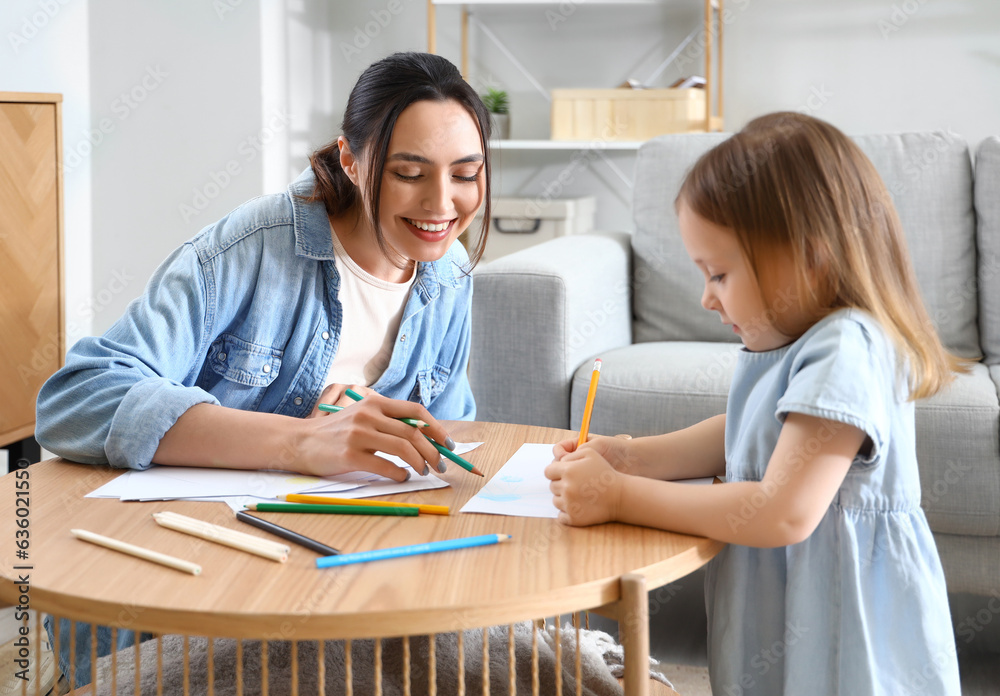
point(588, 409)
point(327, 500)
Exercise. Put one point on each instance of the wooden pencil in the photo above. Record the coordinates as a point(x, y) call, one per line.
point(223, 535)
point(137, 551)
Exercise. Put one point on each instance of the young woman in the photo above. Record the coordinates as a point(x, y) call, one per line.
point(351, 278)
point(831, 582)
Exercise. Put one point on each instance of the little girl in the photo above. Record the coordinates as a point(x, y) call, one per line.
point(831, 582)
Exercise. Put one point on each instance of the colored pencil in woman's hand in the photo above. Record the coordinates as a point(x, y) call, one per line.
point(415, 422)
point(468, 466)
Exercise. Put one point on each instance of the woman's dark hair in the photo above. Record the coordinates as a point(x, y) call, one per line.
point(381, 94)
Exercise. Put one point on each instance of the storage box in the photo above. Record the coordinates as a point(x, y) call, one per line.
point(522, 222)
point(626, 114)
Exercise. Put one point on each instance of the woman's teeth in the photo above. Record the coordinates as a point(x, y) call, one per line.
point(428, 227)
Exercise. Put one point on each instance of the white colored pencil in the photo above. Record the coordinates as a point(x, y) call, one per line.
point(223, 535)
point(137, 551)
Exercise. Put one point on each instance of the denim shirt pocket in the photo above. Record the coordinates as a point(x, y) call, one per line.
point(430, 383)
point(247, 370)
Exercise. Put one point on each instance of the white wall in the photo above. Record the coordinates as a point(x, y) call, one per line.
point(46, 48)
point(218, 79)
point(866, 66)
point(178, 84)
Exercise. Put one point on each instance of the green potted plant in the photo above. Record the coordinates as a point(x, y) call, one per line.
point(498, 104)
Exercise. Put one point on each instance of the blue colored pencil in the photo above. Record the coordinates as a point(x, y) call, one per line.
point(412, 550)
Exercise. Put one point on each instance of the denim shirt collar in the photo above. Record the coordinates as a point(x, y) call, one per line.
point(312, 239)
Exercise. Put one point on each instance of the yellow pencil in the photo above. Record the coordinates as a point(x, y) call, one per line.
point(326, 500)
point(589, 408)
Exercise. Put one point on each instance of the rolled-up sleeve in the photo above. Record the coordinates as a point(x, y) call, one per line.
point(119, 393)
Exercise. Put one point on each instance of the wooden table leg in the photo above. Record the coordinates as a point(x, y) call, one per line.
point(633, 629)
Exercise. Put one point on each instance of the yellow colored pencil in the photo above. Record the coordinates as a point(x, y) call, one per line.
point(327, 500)
point(589, 408)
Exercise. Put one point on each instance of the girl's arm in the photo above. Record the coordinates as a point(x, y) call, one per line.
point(803, 476)
point(694, 452)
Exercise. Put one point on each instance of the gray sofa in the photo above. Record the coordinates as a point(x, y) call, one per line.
point(541, 315)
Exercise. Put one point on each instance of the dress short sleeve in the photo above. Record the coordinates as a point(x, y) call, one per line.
point(845, 371)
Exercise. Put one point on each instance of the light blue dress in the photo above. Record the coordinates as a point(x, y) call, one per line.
point(860, 607)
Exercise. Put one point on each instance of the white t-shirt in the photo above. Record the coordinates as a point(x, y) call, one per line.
point(372, 310)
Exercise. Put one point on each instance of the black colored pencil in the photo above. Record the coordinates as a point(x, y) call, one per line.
point(287, 534)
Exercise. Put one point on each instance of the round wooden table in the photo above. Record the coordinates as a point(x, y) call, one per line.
point(546, 569)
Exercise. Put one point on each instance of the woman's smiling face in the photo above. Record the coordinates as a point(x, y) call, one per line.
point(434, 181)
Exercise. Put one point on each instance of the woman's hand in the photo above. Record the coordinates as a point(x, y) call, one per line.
point(586, 488)
point(336, 443)
point(336, 395)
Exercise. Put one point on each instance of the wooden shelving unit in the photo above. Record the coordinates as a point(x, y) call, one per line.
point(713, 12)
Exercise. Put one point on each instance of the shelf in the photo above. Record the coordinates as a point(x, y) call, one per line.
point(714, 3)
point(543, 2)
point(565, 144)
point(711, 47)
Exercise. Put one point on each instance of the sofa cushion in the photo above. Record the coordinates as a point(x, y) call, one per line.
point(988, 217)
point(666, 286)
point(929, 176)
point(653, 388)
point(958, 452)
point(971, 564)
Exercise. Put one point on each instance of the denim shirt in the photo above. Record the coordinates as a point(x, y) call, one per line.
point(247, 315)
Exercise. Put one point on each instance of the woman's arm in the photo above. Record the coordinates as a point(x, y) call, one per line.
point(214, 436)
point(803, 476)
point(118, 393)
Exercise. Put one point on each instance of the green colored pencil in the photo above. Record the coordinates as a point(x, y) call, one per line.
point(468, 466)
point(330, 408)
point(335, 509)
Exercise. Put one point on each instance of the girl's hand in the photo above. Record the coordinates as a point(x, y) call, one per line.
point(337, 443)
point(586, 489)
point(614, 449)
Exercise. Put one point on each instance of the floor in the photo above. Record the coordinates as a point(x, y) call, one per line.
point(682, 652)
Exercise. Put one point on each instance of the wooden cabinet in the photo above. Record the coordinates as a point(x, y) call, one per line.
point(32, 339)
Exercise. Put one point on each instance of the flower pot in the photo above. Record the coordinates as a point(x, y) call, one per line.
point(501, 126)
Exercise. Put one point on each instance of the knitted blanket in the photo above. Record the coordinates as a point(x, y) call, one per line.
point(601, 658)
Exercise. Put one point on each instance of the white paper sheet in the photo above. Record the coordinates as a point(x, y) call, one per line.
point(520, 488)
point(194, 483)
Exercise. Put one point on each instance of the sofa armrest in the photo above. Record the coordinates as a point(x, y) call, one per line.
point(540, 313)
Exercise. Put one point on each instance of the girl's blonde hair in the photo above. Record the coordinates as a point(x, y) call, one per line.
point(791, 183)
